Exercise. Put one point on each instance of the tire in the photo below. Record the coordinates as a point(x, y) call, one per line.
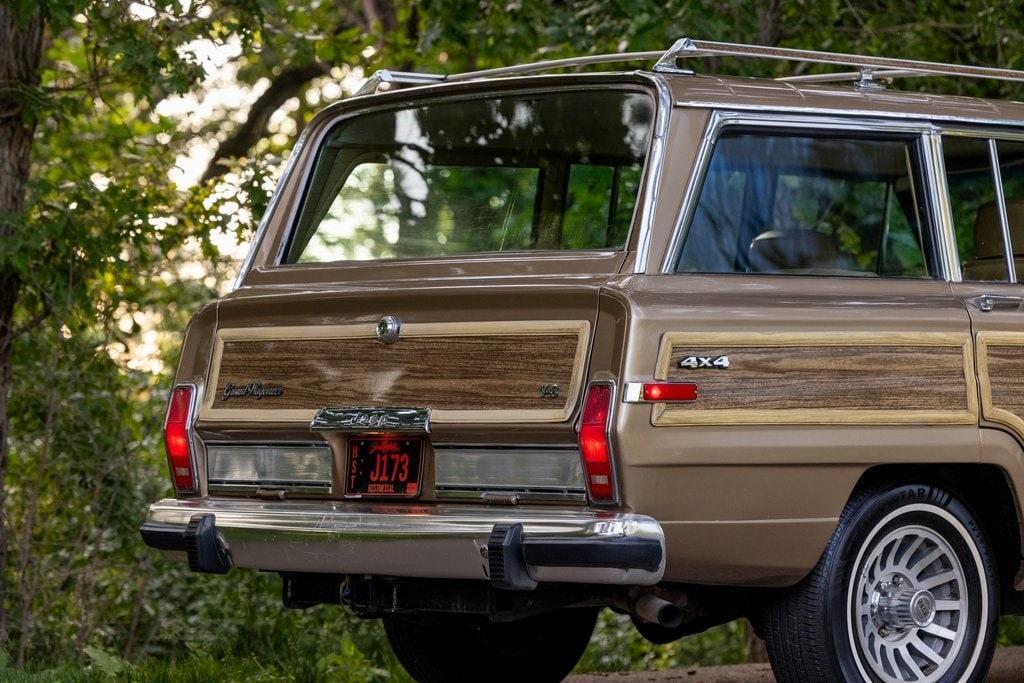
point(540, 648)
point(876, 598)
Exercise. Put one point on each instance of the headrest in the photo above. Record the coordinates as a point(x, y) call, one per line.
point(988, 233)
point(793, 250)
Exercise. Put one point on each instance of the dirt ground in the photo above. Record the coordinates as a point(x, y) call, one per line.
point(1007, 668)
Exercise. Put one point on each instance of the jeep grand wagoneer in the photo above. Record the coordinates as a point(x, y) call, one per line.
point(512, 349)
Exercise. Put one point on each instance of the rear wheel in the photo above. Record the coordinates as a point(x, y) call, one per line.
point(905, 591)
point(540, 648)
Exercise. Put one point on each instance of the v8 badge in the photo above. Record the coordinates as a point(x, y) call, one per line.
point(698, 362)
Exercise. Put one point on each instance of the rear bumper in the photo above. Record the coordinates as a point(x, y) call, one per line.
point(421, 541)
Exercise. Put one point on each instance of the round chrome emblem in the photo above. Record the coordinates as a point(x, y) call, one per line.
point(388, 329)
point(922, 608)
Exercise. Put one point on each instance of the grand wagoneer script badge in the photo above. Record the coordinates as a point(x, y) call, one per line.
point(255, 390)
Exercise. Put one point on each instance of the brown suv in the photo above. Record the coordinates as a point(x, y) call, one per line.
point(511, 349)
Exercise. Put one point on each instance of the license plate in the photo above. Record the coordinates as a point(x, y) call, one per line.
point(384, 467)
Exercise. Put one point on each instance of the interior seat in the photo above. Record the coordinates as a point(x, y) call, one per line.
point(989, 261)
point(795, 251)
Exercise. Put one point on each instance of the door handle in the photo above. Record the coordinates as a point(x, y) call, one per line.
point(996, 302)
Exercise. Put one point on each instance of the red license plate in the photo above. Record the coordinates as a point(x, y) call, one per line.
point(384, 467)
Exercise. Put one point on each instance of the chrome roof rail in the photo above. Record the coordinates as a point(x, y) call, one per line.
point(868, 67)
point(384, 79)
point(568, 62)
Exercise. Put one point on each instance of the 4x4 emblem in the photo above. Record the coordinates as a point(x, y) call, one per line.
point(697, 362)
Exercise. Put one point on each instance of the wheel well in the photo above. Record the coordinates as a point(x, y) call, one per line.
point(986, 490)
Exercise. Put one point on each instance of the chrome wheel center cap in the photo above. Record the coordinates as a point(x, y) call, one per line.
point(922, 608)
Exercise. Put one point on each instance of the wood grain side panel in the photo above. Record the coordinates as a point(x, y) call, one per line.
point(1001, 376)
point(461, 371)
point(815, 379)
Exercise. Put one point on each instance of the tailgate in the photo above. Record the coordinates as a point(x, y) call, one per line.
point(512, 357)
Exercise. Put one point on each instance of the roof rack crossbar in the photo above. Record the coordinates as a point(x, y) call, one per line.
point(687, 48)
point(869, 69)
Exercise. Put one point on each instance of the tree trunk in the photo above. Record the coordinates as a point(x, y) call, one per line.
point(20, 51)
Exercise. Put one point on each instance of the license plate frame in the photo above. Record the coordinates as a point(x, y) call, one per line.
point(375, 467)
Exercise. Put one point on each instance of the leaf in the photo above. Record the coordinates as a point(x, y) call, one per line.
point(109, 664)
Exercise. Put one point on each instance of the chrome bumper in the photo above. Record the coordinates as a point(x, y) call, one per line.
point(416, 540)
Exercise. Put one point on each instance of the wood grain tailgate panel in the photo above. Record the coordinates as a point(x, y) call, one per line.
point(490, 374)
point(823, 379)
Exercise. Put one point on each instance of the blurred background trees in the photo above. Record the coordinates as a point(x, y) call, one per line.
point(138, 145)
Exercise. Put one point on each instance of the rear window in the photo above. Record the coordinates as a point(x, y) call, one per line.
point(512, 173)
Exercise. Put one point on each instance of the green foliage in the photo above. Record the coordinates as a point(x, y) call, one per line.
point(617, 646)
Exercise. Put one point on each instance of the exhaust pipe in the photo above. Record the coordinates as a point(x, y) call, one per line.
point(657, 611)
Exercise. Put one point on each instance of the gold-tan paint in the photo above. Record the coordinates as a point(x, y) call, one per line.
point(579, 328)
point(683, 414)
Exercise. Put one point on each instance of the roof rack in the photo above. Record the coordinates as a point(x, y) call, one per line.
point(869, 69)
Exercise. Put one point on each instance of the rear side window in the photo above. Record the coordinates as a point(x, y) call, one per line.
point(977, 218)
point(556, 170)
point(793, 204)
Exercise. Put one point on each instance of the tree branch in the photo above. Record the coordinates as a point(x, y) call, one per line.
point(288, 84)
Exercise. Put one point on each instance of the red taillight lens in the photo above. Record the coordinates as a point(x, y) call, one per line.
point(597, 461)
point(179, 455)
point(669, 391)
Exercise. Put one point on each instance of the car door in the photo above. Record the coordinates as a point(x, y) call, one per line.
point(807, 304)
point(985, 180)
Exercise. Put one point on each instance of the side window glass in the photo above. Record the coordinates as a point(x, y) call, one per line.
point(1011, 163)
point(972, 195)
point(792, 204)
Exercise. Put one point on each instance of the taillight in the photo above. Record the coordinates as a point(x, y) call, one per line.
point(661, 392)
point(176, 439)
point(594, 447)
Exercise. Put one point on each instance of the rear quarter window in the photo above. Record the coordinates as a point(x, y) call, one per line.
point(809, 205)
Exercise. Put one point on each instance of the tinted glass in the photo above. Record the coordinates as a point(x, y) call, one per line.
point(972, 196)
point(1011, 163)
point(808, 205)
point(541, 171)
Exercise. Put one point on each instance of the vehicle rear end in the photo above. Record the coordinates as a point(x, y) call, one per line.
point(405, 405)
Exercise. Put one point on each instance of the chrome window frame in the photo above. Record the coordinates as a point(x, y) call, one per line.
point(925, 131)
point(303, 160)
point(979, 131)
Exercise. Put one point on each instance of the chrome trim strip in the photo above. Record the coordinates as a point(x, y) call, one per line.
point(942, 207)
point(426, 541)
point(366, 420)
point(224, 486)
point(719, 120)
point(633, 392)
point(511, 496)
point(653, 167)
point(1004, 218)
point(837, 111)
